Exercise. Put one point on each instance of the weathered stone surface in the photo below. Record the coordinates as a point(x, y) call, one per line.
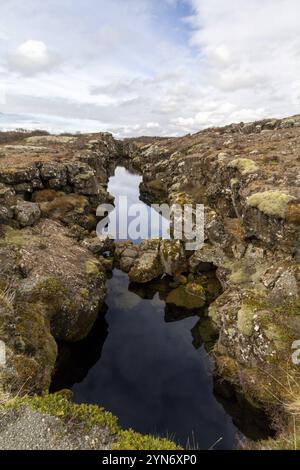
point(172, 257)
point(99, 244)
point(27, 213)
point(55, 290)
point(146, 268)
point(247, 175)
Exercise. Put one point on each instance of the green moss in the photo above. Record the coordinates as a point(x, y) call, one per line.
point(239, 276)
point(131, 440)
point(181, 279)
point(156, 185)
point(244, 165)
point(195, 288)
point(84, 293)
point(92, 267)
point(290, 307)
point(50, 287)
point(213, 313)
point(277, 335)
point(15, 237)
point(85, 176)
point(181, 198)
point(60, 406)
point(245, 320)
point(272, 203)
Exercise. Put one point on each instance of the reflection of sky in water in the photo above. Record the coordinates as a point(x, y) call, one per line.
point(149, 224)
point(151, 376)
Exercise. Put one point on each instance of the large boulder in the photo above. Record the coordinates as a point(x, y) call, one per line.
point(27, 213)
point(172, 257)
point(147, 266)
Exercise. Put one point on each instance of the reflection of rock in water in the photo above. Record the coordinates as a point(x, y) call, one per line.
point(76, 359)
point(249, 419)
point(150, 289)
point(204, 334)
point(174, 313)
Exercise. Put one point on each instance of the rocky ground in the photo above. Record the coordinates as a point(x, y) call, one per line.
point(53, 267)
point(247, 175)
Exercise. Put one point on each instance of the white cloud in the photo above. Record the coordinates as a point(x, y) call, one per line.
point(32, 57)
point(138, 67)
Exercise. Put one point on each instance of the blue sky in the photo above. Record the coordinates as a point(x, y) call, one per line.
point(155, 67)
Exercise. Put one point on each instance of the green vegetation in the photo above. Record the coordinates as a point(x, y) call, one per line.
point(245, 319)
point(60, 406)
point(244, 165)
point(272, 203)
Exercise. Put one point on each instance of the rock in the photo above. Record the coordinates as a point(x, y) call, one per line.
point(172, 257)
point(213, 255)
point(27, 213)
point(126, 263)
point(58, 287)
point(146, 268)
point(99, 244)
point(54, 174)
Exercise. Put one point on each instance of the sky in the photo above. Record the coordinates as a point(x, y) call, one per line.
point(147, 67)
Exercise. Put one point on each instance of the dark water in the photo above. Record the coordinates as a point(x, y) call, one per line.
point(148, 364)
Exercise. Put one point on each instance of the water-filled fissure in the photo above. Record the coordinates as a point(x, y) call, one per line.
point(148, 362)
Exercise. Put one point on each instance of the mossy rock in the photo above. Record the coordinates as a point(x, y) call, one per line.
point(245, 320)
point(92, 268)
point(272, 203)
point(244, 165)
point(278, 336)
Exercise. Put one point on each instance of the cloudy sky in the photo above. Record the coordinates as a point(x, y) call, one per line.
point(155, 67)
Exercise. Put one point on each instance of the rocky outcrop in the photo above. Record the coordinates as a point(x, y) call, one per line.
point(51, 285)
point(51, 289)
point(247, 175)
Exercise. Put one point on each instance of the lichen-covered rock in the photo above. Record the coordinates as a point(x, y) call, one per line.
point(172, 257)
point(98, 245)
point(146, 268)
point(27, 213)
point(272, 203)
point(53, 288)
point(244, 165)
point(54, 174)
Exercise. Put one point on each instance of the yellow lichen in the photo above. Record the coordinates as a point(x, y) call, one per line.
point(272, 203)
point(244, 165)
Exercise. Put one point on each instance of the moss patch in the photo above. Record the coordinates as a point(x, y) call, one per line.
point(244, 165)
point(14, 237)
point(272, 203)
point(60, 406)
point(245, 319)
point(92, 268)
point(131, 440)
